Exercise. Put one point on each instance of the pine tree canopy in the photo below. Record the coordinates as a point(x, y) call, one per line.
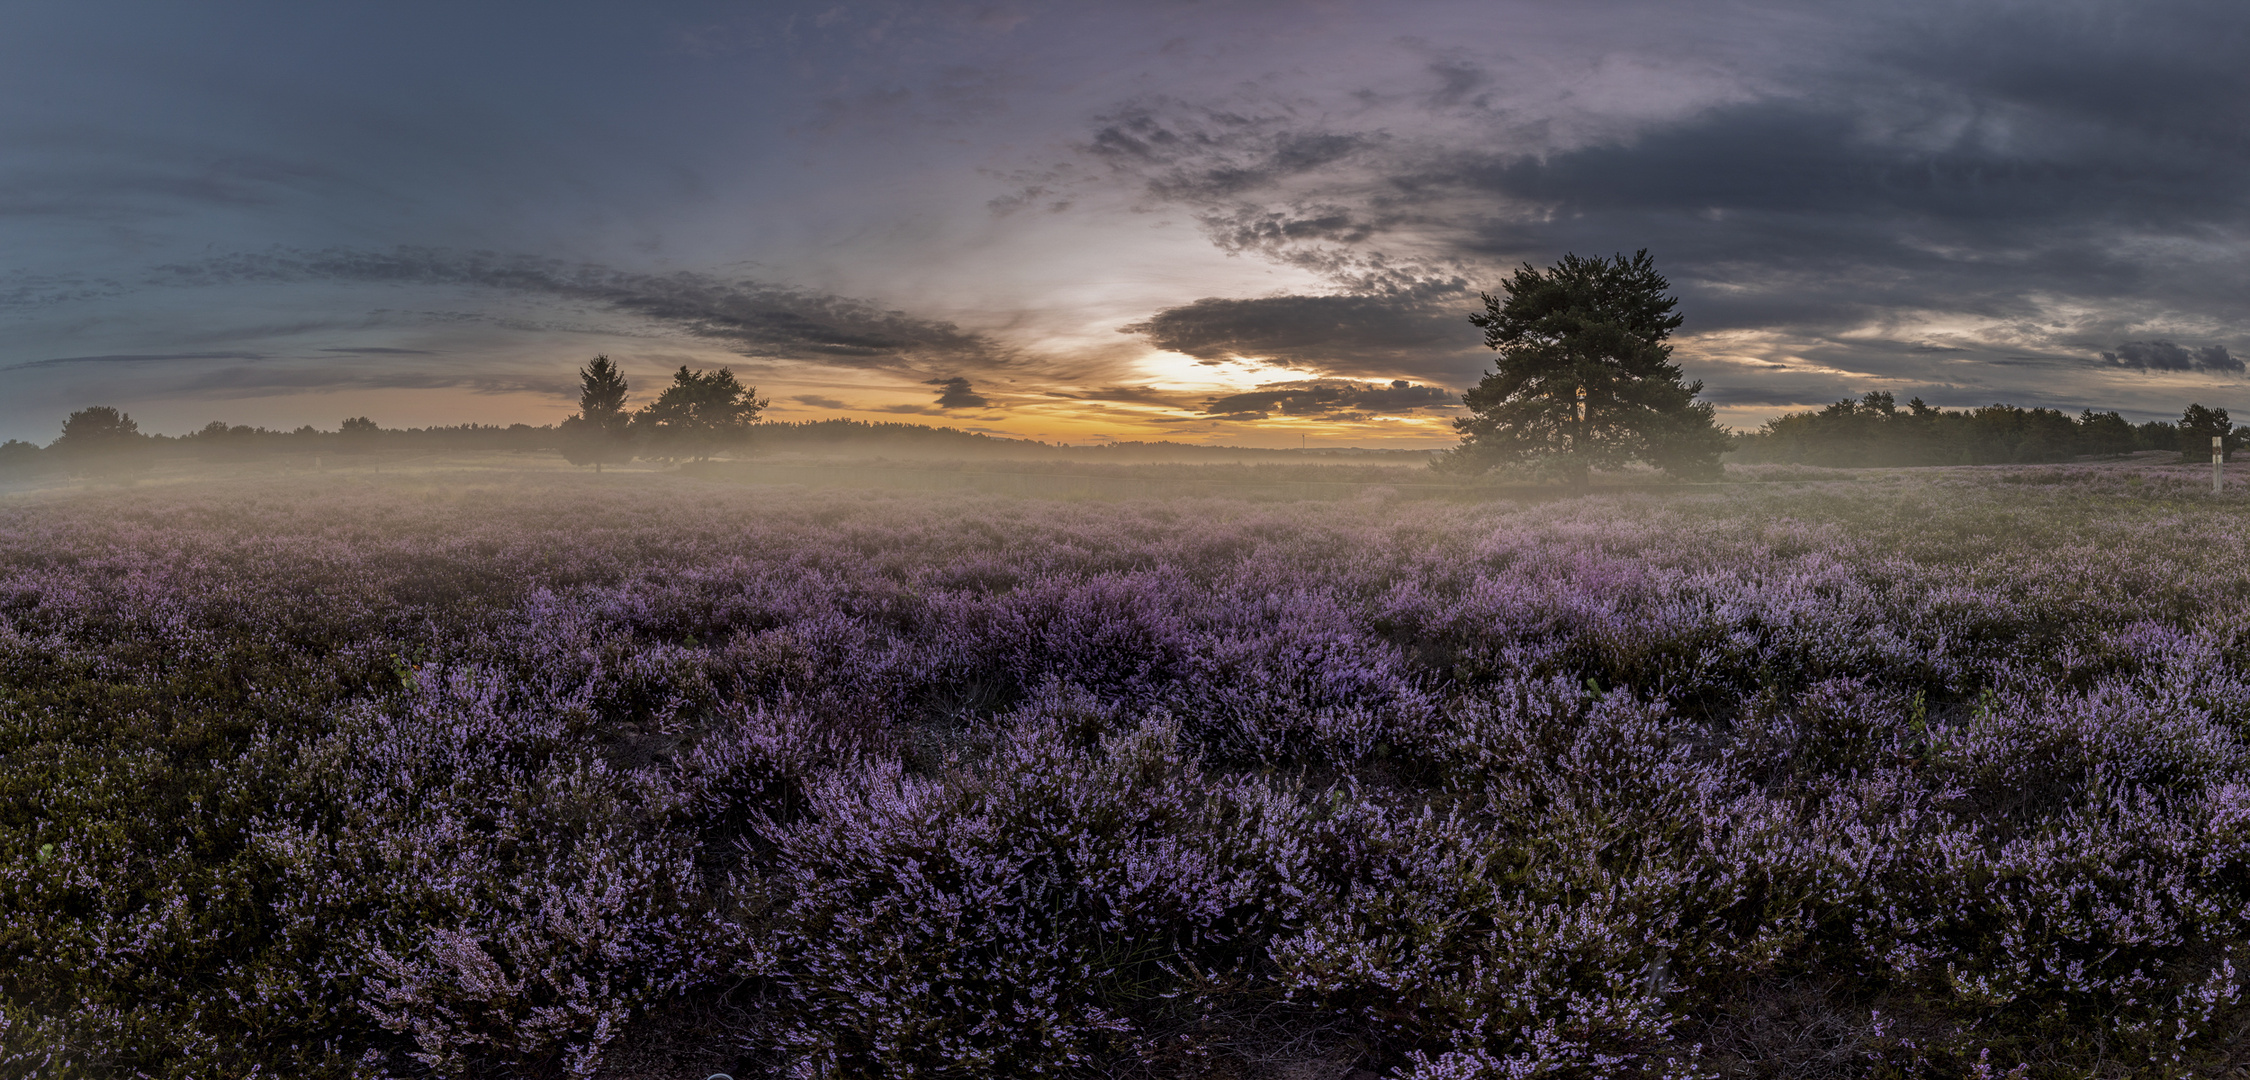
point(1584, 377)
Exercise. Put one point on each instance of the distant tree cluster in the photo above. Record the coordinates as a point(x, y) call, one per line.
point(1875, 432)
point(701, 414)
point(102, 442)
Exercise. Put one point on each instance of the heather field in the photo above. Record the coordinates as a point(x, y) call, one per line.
point(493, 772)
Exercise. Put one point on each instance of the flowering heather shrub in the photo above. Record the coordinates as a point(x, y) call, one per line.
point(1023, 915)
point(504, 902)
point(1899, 774)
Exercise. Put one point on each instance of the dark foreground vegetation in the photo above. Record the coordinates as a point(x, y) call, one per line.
point(491, 775)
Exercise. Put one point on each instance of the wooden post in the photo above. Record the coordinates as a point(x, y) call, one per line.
point(2218, 463)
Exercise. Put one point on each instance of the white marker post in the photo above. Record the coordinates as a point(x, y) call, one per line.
point(2218, 462)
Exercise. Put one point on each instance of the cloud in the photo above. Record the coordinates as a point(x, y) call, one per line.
point(819, 402)
point(377, 350)
point(1458, 82)
point(1425, 332)
point(1188, 153)
point(26, 290)
point(1277, 231)
point(1792, 394)
point(1331, 400)
point(243, 381)
point(2165, 356)
point(102, 179)
point(1130, 395)
point(132, 358)
point(957, 394)
point(751, 318)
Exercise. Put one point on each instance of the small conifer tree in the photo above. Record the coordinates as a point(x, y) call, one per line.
point(602, 431)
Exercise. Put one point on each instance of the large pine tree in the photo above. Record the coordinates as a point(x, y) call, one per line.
point(1584, 378)
point(601, 433)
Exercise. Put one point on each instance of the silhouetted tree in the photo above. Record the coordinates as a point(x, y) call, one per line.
point(17, 457)
point(357, 433)
point(1584, 378)
point(102, 442)
point(601, 432)
point(700, 414)
point(2198, 426)
point(2105, 433)
point(221, 442)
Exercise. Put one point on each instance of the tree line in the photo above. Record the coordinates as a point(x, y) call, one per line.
point(103, 440)
point(1583, 380)
point(1875, 432)
point(700, 414)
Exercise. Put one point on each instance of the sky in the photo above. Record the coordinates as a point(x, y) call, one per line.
point(1243, 223)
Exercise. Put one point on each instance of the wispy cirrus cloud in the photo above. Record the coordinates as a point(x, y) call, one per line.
point(130, 358)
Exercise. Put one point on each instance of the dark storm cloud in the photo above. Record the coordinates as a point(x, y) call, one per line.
point(1426, 333)
point(2165, 356)
point(1780, 213)
point(1327, 400)
point(1819, 164)
point(752, 318)
point(957, 394)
